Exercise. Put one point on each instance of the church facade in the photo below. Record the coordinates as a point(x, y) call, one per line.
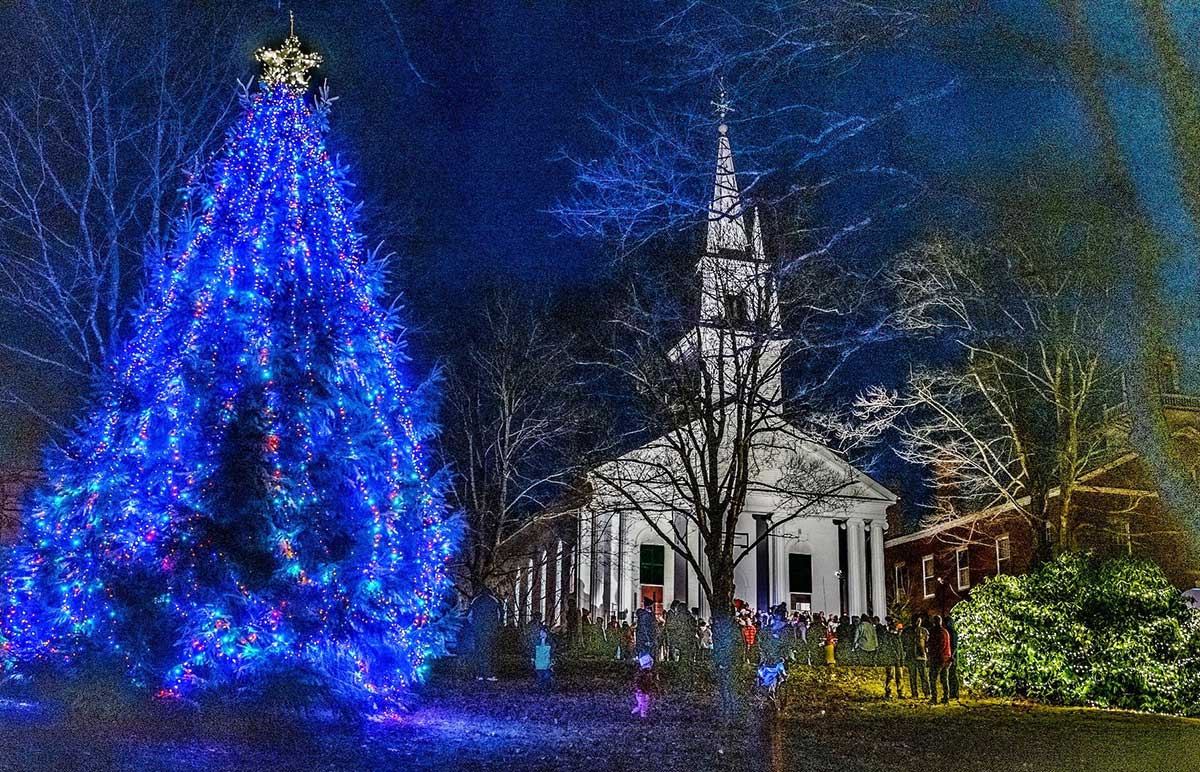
point(827, 555)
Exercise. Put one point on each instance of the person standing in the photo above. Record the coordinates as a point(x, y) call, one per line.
point(952, 671)
point(675, 630)
point(645, 686)
point(646, 640)
point(616, 638)
point(484, 619)
point(542, 660)
point(940, 655)
point(866, 639)
point(893, 658)
point(917, 648)
point(705, 638)
point(691, 636)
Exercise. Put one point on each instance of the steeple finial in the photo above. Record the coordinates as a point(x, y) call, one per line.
point(287, 64)
point(723, 105)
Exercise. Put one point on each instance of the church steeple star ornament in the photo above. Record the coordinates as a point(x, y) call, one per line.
point(287, 65)
point(723, 106)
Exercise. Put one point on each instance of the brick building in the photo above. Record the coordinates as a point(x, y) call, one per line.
point(1118, 506)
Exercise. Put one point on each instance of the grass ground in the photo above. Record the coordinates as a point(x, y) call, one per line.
point(837, 722)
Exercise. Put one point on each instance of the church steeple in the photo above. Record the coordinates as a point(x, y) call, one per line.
point(739, 308)
point(736, 287)
point(726, 230)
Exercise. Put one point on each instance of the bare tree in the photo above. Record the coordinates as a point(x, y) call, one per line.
point(514, 435)
point(1025, 411)
point(94, 143)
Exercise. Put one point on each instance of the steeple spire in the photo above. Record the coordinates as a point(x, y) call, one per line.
point(726, 229)
point(756, 241)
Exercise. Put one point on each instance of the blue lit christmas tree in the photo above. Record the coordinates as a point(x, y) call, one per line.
point(249, 498)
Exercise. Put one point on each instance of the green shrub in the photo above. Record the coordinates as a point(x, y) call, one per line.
point(1080, 631)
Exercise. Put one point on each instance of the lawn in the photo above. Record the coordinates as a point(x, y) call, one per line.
point(840, 723)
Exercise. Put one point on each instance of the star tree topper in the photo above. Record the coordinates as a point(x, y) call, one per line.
point(287, 64)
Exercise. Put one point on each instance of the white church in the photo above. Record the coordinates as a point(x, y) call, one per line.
point(825, 557)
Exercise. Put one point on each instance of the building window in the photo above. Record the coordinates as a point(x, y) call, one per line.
point(800, 582)
point(1003, 554)
point(900, 580)
point(927, 580)
point(741, 539)
point(735, 308)
point(652, 561)
point(962, 562)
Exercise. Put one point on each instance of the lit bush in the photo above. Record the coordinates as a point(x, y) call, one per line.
point(1080, 631)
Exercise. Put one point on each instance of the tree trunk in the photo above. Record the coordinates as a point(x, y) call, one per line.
point(724, 629)
point(1043, 550)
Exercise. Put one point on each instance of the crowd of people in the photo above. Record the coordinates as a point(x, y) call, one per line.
point(918, 659)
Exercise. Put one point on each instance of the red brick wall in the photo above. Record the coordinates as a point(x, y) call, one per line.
point(978, 538)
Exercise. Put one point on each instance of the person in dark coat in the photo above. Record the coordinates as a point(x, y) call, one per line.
point(916, 648)
point(892, 653)
point(941, 653)
point(675, 629)
point(646, 640)
point(952, 671)
point(484, 619)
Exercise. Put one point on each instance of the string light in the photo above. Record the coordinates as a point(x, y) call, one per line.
point(264, 323)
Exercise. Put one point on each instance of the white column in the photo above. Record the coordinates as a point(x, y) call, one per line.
point(543, 596)
point(582, 566)
point(630, 602)
point(614, 565)
point(528, 592)
point(856, 565)
point(560, 601)
point(779, 570)
point(693, 588)
point(878, 585)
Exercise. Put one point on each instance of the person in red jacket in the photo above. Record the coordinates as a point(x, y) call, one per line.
point(941, 654)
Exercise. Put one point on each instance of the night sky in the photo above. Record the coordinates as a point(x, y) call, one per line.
point(451, 114)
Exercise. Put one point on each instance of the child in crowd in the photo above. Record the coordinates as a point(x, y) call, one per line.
point(830, 647)
point(542, 660)
point(645, 686)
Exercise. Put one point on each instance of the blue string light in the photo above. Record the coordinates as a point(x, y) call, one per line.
point(265, 323)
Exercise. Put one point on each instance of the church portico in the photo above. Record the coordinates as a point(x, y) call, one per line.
point(799, 565)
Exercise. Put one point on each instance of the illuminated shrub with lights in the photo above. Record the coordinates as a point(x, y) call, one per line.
point(247, 508)
point(1080, 631)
